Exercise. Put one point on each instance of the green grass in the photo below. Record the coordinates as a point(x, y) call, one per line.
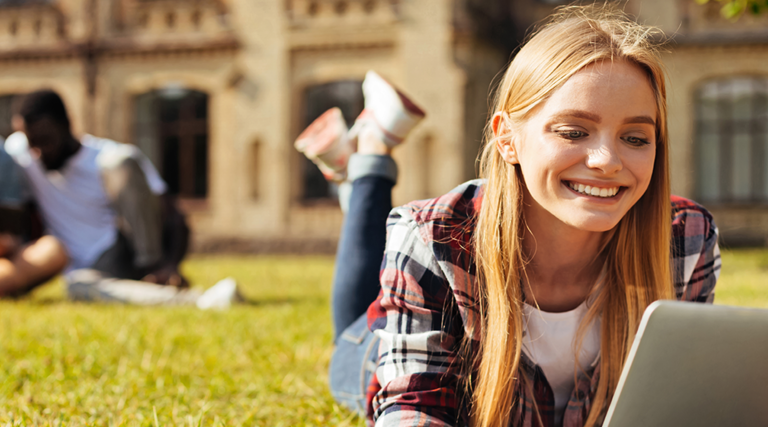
point(259, 364)
point(744, 278)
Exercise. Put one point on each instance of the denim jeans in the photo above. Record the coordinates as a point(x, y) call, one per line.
point(353, 363)
point(356, 277)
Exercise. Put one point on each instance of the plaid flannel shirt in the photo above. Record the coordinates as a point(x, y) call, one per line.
point(428, 304)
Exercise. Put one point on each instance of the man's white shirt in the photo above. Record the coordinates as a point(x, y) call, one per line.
point(72, 201)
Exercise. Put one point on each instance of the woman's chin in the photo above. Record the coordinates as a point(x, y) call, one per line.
point(594, 223)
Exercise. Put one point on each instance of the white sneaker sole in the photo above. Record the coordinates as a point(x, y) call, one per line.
point(220, 296)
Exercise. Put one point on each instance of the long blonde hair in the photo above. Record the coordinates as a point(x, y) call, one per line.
point(638, 268)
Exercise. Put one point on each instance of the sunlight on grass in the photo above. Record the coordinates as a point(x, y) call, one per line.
point(263, 363)
point(744, 278)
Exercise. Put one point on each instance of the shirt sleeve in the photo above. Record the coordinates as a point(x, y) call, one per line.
point(112, 153)
point(697, 254)
point(420, 333)
point(156, 183)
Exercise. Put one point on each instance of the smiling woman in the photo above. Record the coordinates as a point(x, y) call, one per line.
point(584, 142)
point(514, 299)
point(595, 117)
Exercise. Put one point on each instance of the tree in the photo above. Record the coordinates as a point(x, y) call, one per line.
point(733, 9)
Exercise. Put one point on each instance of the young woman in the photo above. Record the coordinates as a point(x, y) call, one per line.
point(514, 300)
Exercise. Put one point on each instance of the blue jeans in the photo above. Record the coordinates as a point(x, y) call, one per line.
point(356, 277)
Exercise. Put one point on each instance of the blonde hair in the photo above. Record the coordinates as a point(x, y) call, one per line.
point(637, 252)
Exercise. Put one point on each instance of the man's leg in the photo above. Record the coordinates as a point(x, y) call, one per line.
point(115, 276)
point(90, 285)
point(93, 286)
point(31, 266)
point(117, 261)
point(140, 216)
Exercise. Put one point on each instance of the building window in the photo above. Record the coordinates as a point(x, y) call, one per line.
point(348, 96)
point(732, 141)
point(171, 128)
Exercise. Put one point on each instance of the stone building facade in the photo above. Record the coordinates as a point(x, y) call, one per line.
point(215, 91)
point(718, 109)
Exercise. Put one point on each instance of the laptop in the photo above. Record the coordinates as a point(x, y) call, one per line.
point(695, 365)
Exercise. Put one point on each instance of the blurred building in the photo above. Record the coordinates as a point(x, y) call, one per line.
point(215, 91)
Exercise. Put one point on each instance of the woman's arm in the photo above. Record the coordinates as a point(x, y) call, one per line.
point(420, 329)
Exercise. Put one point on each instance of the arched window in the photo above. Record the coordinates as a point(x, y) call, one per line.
point(731, 141)
point(348, 96)
point(171, 128)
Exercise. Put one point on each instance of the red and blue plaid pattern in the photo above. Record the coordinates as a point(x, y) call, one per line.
point(427, 306)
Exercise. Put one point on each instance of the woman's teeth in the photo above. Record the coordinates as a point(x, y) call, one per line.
point(593, 191)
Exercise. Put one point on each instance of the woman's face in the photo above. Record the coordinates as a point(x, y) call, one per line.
point(587, 153)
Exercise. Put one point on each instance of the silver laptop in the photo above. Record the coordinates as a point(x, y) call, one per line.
point(695, 365)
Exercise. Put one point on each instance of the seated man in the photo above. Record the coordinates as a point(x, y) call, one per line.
point(106, 203)
point(25, 263)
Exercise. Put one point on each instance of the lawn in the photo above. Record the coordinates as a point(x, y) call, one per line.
point(258, 364)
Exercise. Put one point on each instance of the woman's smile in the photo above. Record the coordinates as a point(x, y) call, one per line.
point(602, 192)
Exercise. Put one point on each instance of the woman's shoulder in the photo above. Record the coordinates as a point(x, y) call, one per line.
point(429, 255)
point(447, 220)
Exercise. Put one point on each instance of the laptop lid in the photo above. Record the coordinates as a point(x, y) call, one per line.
point(695, 365)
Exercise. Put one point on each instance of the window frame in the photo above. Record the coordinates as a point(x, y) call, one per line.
point(725, 130)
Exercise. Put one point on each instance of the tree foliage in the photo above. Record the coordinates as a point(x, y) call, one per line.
point(733, 9)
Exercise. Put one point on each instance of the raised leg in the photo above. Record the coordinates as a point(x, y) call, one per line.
point(363, 236)
point(371, 173)
point(356, 278)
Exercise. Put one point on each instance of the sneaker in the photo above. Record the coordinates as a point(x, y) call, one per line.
point(393, 113)
point(326, 143)
point(220, 296)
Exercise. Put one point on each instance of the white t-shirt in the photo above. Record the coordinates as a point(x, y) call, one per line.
point(72, 201)
point(549, 343)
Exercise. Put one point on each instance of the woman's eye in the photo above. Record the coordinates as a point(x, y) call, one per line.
point(633, 140)
point(571, 134)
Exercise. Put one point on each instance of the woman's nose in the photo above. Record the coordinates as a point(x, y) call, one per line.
point(604, 158)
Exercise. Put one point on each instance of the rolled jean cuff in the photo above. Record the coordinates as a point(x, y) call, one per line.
point(361, 165)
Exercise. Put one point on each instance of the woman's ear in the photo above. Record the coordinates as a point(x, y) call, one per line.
point(500, 126)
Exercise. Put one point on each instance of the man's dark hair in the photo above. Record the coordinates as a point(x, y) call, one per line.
point(43, 103)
